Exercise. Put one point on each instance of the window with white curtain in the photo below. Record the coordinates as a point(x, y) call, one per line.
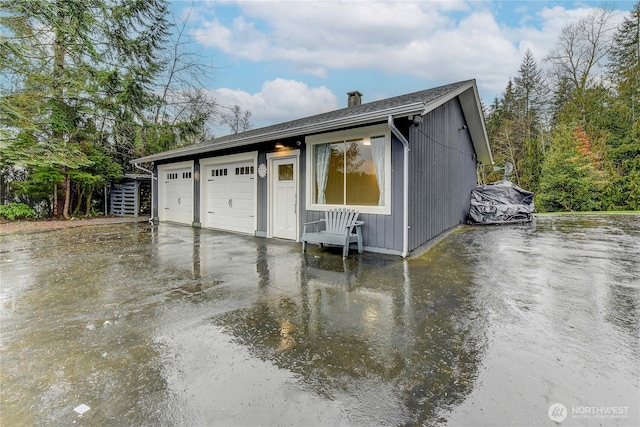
point(350, 169)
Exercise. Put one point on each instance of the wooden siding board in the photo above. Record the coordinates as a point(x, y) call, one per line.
point(440, 195)
point(381, 241)
point(397, 159)
point(375, 237)
point(196, 194)
point(154, 194)
point(262, 196)
point(302, 187)
point(387, 231)
point(370, 233)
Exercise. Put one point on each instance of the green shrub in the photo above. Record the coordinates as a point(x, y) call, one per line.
point(14, 211)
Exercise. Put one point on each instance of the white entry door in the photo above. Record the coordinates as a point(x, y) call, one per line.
point(284, 198)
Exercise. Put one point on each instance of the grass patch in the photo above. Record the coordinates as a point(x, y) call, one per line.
point(588, 213)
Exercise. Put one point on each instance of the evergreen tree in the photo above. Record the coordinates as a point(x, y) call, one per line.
point(572, 176)
point(515, 125)
point(531, 94)
point(531, 88)
point(624, 117)
point(65, 61)
point(624, 63)
point(580, 149)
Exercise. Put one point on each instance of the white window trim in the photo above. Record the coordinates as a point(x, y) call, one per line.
point(349, 134)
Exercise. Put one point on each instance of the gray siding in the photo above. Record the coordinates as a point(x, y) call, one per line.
point(196, 195)
point(442, 173)
point(154, 194)
point(441, 176)
point(261, 197)
point(305, 215)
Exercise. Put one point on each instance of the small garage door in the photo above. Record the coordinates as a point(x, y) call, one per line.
point(228, 196)
point(175, 192)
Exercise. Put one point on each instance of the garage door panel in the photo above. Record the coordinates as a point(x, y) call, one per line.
point(176, 194)
point(243, 206)
point(216, 220)
point(243, 192)
point(229, 199)
point(217, 206)
point(177, 201)
point(243, 224)
point(217, 199)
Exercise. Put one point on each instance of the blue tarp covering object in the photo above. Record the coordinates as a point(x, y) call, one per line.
point(501, 202)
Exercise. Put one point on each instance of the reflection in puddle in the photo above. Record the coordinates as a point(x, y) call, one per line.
point(358, 333)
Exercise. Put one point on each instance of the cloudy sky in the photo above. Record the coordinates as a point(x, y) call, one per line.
point(287, 59)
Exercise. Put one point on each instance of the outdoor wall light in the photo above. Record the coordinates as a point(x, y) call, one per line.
point(279, 145)
point(417, 120)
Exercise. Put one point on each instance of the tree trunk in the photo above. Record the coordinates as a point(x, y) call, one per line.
point(88, 200)
point(67, 195)
point(2, 189)
point(79, 202)
point(54, 211)
point(62, 199)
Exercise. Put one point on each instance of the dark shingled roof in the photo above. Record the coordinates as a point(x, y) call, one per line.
point(376, 111)
point(424, 96)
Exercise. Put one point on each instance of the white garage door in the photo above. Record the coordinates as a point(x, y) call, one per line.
point(175, 192)
point(228, 196)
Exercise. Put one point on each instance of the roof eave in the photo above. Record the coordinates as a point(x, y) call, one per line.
point(467, 94)
point(478, 129)
point(472, 110)
point(430, 106)
point(365, 118)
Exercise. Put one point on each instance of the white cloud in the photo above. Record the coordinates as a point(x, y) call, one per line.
point(403, 38)
point(278, 101)
point(320, 35)
point(241, 38)
point(439, 41)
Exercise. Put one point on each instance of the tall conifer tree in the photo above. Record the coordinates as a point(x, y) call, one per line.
point(73, 67)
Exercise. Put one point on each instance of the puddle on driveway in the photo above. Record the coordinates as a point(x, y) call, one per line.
point(179, 326)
